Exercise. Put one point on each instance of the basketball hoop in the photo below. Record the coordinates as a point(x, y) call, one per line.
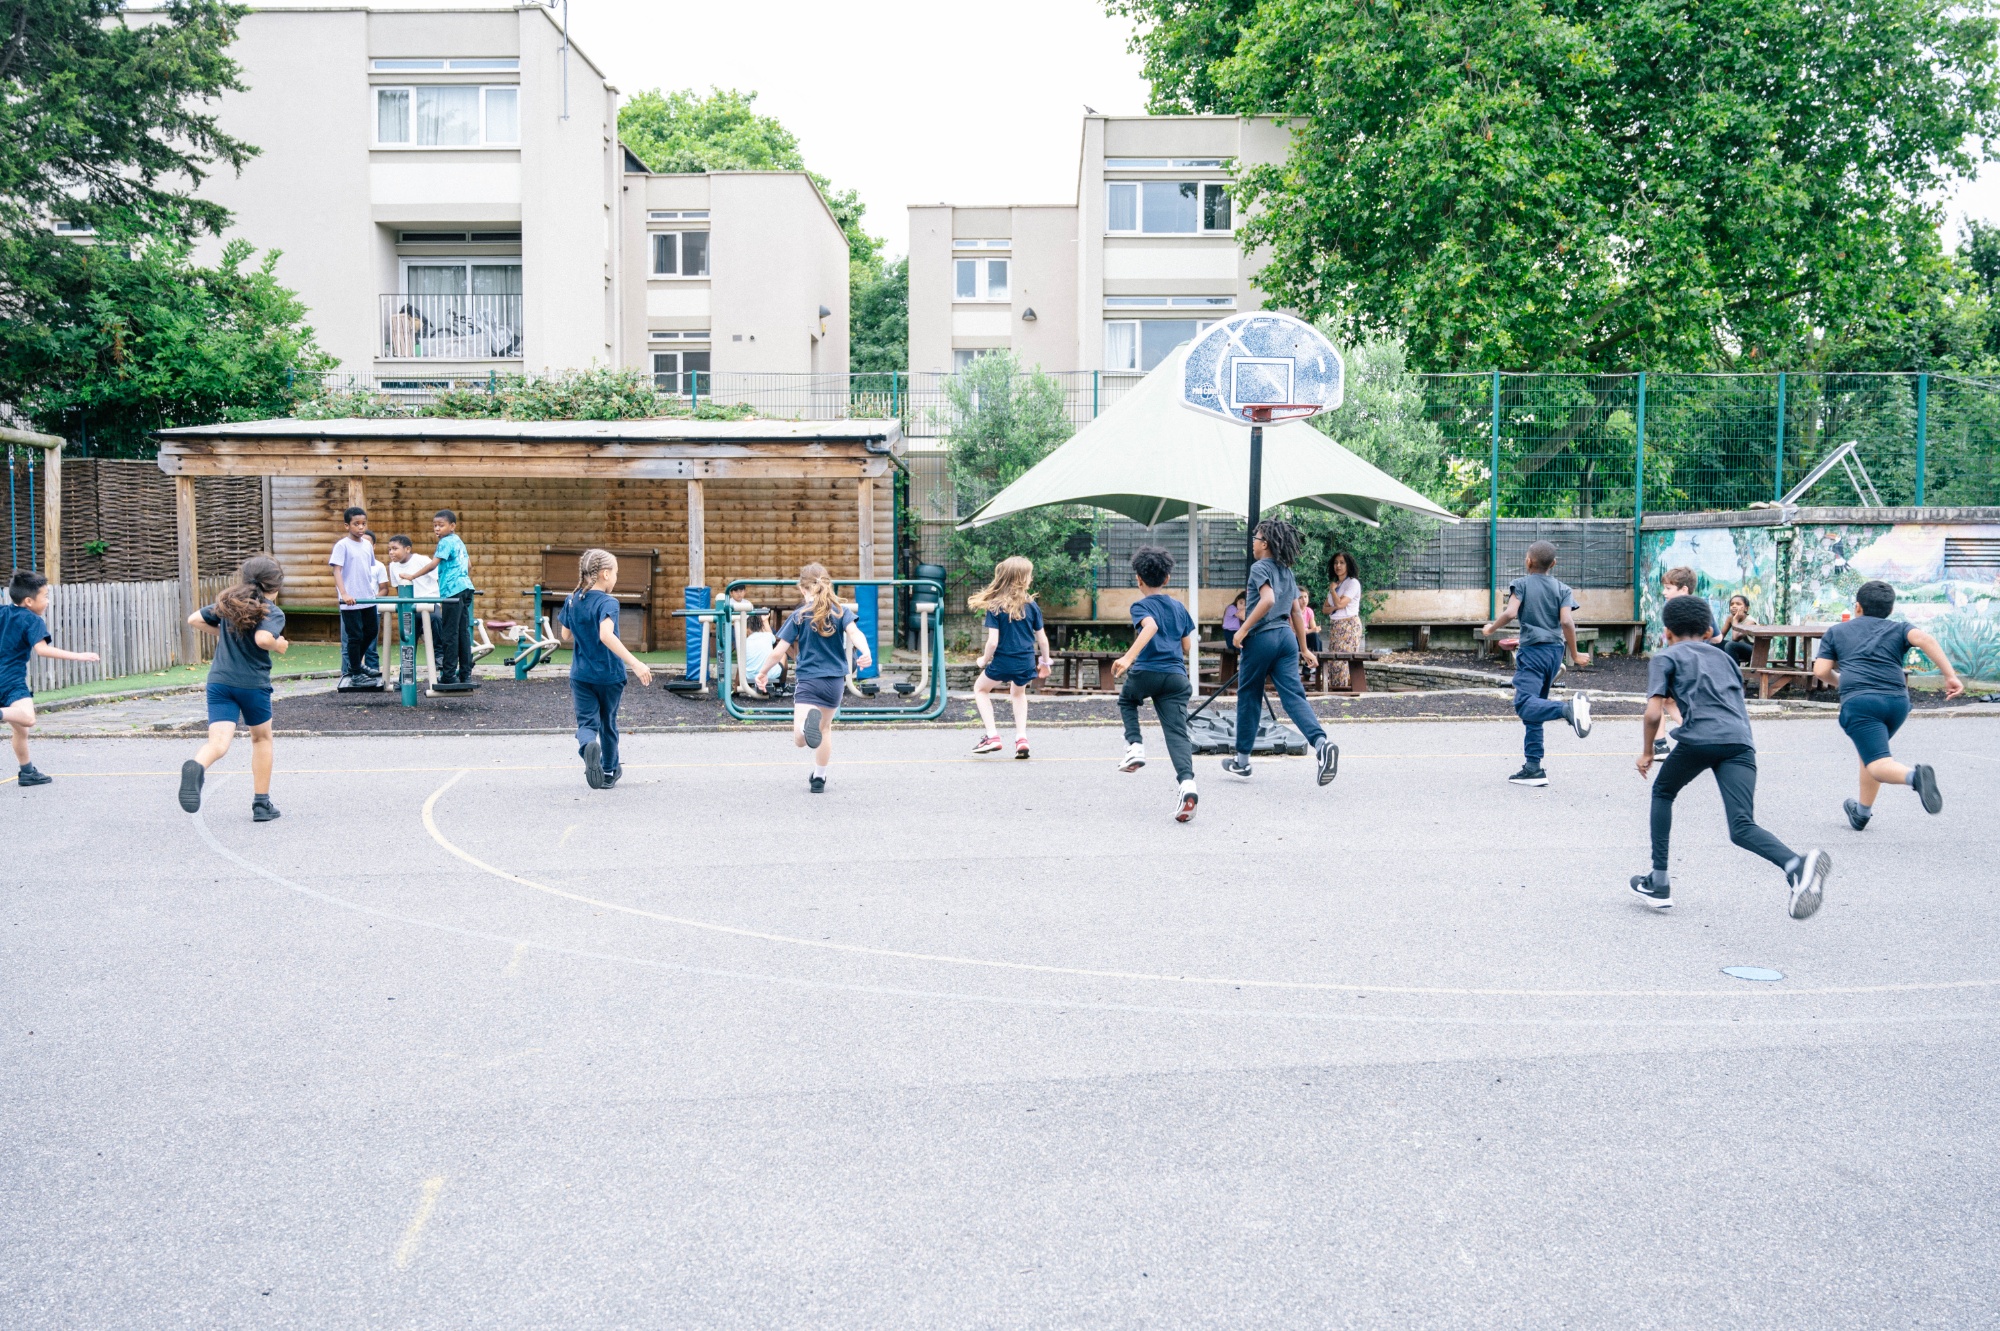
point(1266, 413)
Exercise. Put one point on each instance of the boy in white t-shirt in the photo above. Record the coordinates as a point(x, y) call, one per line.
point(404, 561)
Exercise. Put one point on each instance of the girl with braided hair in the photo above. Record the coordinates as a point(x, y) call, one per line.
point(588, 621)
point(1271, 646)
point(820, 631)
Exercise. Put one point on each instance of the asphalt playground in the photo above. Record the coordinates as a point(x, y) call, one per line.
point(984, 1043)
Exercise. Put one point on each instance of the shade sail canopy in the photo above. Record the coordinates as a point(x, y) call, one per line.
point(1148, 457)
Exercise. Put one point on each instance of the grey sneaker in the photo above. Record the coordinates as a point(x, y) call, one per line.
point(593, 764)
point(262, 810)
point(1530, 774)
point(811, 730)
point(1927, 788)
point(31, 775)
point(1237, 765)
point(1579, 714)
point(1329, 761)
point(192, 775)
point(1856, 818)
point(1660, 747)
point(816, 784)
point(1659, 896)
point(1808, 884)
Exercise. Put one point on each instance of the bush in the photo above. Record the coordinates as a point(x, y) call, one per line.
point(597, 394)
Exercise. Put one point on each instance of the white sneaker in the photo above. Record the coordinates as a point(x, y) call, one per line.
point(1809, 884)
point(1579, 714)
point(1135, 758)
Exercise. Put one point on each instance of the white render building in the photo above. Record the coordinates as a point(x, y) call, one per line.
point(1144, 259)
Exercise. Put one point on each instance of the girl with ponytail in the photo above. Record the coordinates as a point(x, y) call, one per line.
point(1271, 643)
point(248, 627)
point(1016, 652)
point(820, 631)
point(588, 621)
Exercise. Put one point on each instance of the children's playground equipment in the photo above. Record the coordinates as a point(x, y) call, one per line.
point(715, 645)
point(533, 643)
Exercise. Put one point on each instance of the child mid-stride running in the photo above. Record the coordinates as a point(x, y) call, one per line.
point(1016, 652)
point(588, 622)
point(24, 634)
point(821, 631)
point(248, 627)
point(1156, 667)
point(1548, 634)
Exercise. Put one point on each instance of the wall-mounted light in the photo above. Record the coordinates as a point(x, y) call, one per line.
point(1028, 315)
point(825, 313)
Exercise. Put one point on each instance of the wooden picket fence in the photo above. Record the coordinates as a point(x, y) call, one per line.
point(134, 626)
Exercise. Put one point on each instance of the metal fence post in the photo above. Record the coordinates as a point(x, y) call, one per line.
point(1638, 490)
point(1493, 514)
point(1096, 376)
point(1778, 491)
point(1923, 429)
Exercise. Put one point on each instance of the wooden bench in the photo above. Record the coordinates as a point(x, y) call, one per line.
point(637, 571)
point(1420, 630)
point(1315, 679)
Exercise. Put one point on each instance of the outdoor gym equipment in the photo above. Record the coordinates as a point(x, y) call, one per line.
point(927, 690)
point(1216, 733)
point(405, 602)
point(533, 643)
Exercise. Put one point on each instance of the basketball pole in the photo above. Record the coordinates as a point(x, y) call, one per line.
point(1256, 491)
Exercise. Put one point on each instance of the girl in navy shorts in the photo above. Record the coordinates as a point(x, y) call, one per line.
point(1016, 652)
point(248, 627)
point(819, 632)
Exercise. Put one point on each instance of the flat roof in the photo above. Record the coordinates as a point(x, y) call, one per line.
point(660, 430)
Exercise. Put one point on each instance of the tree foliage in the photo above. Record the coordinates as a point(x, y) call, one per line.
point(881, 322)
point(1001, 423)
point(1571, 184)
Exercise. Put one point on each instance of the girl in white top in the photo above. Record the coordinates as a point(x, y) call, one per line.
point(1343, 614)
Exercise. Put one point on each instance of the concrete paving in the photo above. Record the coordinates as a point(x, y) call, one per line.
point(975, 1042)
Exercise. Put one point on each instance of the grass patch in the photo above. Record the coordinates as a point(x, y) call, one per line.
point(304, 658)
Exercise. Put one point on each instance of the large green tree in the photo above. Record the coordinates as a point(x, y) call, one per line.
point(881, 322)
point(1573, 184)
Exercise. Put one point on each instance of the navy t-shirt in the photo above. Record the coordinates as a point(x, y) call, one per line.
point(1016, 652)
point(1543, 597)
point(20, 629)
point(821, 655)
point(591, 662)
point(1175, 623)
point(239, 662)
point(1704, 680)
point(1284, 591)
point(1869, 653)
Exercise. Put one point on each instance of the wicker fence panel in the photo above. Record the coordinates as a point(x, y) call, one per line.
point(118, 521)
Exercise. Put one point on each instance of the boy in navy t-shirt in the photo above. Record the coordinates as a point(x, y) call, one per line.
point(1156, 667)
point(1863, 658)
point(1548, 635)
point(1714, 736)
point(25, 634)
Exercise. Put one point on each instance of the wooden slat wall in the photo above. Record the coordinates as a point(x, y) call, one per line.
point(130, 507)
point(756, 529)
point(134, 626)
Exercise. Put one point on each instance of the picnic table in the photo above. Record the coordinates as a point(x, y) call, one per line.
point(1066, 673)
point(1781, 655)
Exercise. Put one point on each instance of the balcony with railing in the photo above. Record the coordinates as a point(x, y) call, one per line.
point(451, 327)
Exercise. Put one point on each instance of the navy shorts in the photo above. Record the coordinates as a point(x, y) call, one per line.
point(13, 693)
point(1023, 675)
point(232, 703)
point(1870, 718)
point(819, 691)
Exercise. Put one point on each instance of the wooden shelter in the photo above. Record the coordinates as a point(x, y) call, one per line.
point(717, 499)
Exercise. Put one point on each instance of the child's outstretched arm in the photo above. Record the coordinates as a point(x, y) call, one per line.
point(1148, 626)
point(1656, 710)
point(772, 660)
point(607, 633)
point(1501, 620)
point(1922, 640)
point(859, 641)
point(1569, 638)
point(55, 653)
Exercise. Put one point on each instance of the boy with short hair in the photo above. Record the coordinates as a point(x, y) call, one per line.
point(404, 561)
point(1863, 658)
point(1156, 667)
point(353, 562)
point(1548, 636)
point(453, 567)
point(1715, 737)
point(1676, 581)
point(24, 633)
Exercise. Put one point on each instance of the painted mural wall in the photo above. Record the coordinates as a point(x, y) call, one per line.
point(1824, 565)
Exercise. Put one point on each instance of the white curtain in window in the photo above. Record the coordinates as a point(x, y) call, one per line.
point(392, 115)
point(496, 279)
point(447, 117)
point(436, 279)
point(996, 279)
point(1124, 207)
point(503, 115)
point(1121, 346)
point(967, 279)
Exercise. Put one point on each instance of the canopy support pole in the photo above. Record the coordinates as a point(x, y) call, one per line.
point(1194, 594)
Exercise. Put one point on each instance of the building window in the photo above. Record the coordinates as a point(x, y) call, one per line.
point(1141, 344)
point(979, 279)
point(688, 215)
point(681, 373)
point(482, 65)
point(962, 357)
point(680, 254)
point(1162, 163)
point(1170, 302)
point(1001, 244)
point(448, 116)
point(1167, 207)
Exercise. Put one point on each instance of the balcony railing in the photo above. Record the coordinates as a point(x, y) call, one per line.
point(451, 327)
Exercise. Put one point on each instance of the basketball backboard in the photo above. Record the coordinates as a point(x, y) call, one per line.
point(1261, 367)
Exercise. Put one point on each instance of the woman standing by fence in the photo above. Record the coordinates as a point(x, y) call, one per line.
point(1343, 614)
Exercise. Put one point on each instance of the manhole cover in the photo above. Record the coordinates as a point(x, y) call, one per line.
point(1753, 973)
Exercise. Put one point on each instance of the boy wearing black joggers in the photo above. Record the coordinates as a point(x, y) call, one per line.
point(1714, 736)
point(1156, 667)
point(1548, 635)
point(1863, 658)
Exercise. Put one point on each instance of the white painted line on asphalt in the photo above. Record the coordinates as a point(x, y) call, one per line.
point(513, 967)
point(406, 1251)
point(1092, 973)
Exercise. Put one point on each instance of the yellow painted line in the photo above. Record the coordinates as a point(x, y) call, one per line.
point(1083, 972)
point(568, 832)
point(406, 1251)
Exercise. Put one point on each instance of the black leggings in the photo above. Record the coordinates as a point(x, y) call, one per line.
point(1735, 768)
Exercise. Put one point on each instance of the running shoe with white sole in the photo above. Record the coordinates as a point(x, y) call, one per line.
point(1809, 884)
point(1579, 714)
point(1185, 813)
point(1134, 759)
point(1927, 788)
point(1660, 896)
point(1857, 817)
point(1329, 761)
point(1661, 747)
point(1237, 765)
point(987, 744)
point(1021, 749)
point(1530, 774)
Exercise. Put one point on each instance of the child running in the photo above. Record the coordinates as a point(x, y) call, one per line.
point(820, 631)
point(1863, 658)
point(1271, 647)
point(588, 621)
point(1156, 668)
point(1548, 635)
point(1715, 737)
point(1676, 581)
point(1016, 651)
point(248, 627)
point(24, 634)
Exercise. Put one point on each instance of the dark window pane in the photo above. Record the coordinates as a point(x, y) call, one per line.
point(1215, 208)
point(694, 254)
point(1158, 337)
point(1172, 206)
point(663, 253)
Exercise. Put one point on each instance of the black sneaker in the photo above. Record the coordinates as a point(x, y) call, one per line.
point(1530, 774)
point(816, 784)
point(1237, 765)
point(812, 729)
point(1660, 747)
point(32, 775)
point(1926, 788)
point(192, 774)
point(1578, 714)
point(1808, 883)
point(1185, 812)
point(1329, 761)
point(610, 779)
point(1856, 818)
point(593, 764)
point(262, 810)
point(1659, 896)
